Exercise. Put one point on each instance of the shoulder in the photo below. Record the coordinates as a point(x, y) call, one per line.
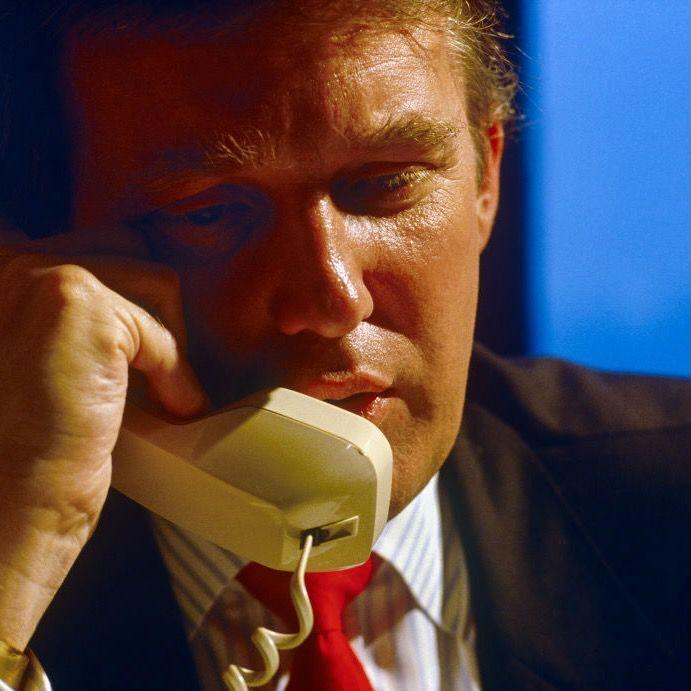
point(617, 446)
point(588, 426)
point(551, 401)
point(614, 449)
point(615, 438)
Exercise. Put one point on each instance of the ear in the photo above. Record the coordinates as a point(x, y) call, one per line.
point(488, 192)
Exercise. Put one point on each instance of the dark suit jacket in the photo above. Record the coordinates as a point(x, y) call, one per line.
point(571, 490)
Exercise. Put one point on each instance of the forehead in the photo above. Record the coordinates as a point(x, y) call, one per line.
point(135, 92)
point(267, 68)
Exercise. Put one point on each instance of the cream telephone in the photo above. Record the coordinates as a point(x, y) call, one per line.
point(279, 478)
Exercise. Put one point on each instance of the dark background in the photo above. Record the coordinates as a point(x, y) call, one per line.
point(501, 319)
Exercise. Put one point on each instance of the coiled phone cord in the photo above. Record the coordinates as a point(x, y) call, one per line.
point(269, 642)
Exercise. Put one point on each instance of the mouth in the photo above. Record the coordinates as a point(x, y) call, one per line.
point(367, 396)
point(359, 403)
point(374, 407)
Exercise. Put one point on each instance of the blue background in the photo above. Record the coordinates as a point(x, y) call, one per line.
point(606, 237)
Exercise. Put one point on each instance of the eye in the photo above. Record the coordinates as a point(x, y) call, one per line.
point(237, 212)
point(205, 217)
point(207, 226)
point(383, 195)
point(391, 183)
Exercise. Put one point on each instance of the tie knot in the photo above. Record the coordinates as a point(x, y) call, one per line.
point(329, 591)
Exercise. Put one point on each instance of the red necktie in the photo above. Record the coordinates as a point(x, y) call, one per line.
point(325, 661)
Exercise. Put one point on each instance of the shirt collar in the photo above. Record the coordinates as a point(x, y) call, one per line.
point(411, 543)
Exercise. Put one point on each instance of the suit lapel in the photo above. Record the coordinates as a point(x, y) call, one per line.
point(115, 623)
point(549, 612)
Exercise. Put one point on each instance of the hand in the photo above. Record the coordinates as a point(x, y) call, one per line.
point(72, 324)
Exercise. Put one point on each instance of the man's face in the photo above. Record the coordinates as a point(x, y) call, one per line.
point(316, 192)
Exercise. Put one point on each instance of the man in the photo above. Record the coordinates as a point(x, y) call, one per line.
point(280, 193)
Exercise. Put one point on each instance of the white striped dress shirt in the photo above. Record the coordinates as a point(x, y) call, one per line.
point(411, 629)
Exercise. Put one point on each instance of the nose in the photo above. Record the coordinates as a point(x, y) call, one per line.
point(322, 288)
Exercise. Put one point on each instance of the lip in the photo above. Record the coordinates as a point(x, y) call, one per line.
point(363, 393)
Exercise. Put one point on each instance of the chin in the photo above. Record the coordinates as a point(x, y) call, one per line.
point(416, 461)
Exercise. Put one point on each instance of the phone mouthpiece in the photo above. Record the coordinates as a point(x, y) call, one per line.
point(258, 477)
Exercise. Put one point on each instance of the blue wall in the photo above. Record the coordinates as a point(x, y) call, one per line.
point(607, 143)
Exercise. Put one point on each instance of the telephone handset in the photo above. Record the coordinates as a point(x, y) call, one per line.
point(259, 476)
point(279, 478)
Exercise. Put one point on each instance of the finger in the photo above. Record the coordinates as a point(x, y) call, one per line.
point(153, 286)
point(153, 350)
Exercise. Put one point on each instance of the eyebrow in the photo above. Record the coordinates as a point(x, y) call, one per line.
point(253, 148)
point(250, 149)
point(416, 129)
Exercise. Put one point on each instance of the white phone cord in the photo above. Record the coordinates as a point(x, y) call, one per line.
point(268, 642)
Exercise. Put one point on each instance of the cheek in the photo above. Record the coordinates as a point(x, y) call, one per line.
point(434, 297)
point(428, 269)
point(223, 304)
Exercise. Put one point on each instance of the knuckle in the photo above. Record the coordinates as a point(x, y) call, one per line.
point(112, 344)
point(65, 285)
point(146, 340)
point(125, 339)
point(38, 284)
